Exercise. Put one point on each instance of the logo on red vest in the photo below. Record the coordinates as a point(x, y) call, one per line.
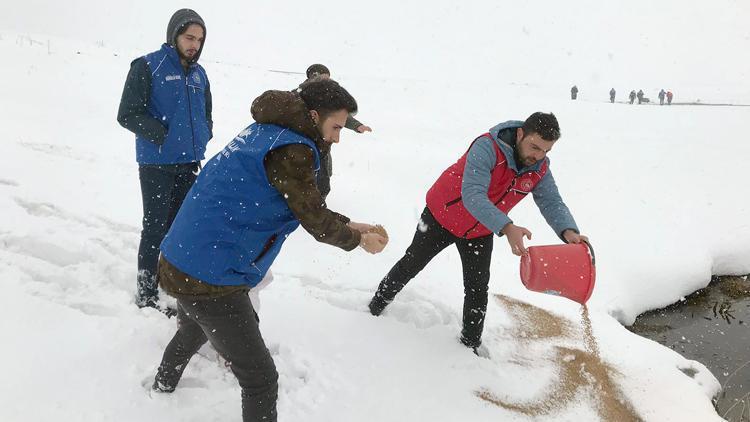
point(526, 185)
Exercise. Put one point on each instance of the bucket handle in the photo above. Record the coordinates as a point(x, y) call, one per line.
point(591, 249)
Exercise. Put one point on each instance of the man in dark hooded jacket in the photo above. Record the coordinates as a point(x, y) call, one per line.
point(166, 103)
point(250, 197)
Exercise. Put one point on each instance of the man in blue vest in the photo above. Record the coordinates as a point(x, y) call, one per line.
point(245, 203)
point(166, 103)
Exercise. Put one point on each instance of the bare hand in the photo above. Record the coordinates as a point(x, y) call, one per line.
point(360, 227)
point(363, 129)
point(515, 236)
point(572, 237)
point(373, 242)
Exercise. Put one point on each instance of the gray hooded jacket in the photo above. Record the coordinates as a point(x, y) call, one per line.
point(180, 19)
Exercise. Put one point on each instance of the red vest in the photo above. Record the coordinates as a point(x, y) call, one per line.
point(507, 188)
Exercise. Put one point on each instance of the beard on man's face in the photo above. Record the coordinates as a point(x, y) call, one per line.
point(188, 54)
point(523, 160)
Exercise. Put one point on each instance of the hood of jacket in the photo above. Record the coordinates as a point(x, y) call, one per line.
point(285, 108)
point(181, 18)
point(508, 146)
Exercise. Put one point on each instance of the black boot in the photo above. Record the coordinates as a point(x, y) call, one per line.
point(148, 293)
point(389, 287)
point(377, 305)
point(160, 387)
point(476, 347)
point(472, 344)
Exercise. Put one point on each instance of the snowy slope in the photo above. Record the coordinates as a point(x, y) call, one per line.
point(661, 191)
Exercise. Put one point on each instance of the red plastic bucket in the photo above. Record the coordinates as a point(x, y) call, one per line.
point(564, 270)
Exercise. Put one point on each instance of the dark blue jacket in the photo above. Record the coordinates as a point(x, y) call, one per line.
point(233, 222)
point(175, 124)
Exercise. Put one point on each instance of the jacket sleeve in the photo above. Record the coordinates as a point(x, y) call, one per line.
point(290, 170)
point(476, 183)
point(133, 114)
point(324, 175)
point(552, 207)
point(209, 110)
point(352, 123)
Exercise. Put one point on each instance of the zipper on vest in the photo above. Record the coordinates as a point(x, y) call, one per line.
point(267, 247)
point(452, 202)
point(190, 114)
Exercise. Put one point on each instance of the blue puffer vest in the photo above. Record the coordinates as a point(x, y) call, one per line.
point(178, 100)
point(233, 222)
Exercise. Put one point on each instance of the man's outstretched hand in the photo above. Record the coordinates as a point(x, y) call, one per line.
point(572, 237)
point(374, 238)
point(360, 227)
point(373, 242)
point(515, 235)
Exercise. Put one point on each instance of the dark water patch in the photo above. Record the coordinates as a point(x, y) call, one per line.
point(711, 326)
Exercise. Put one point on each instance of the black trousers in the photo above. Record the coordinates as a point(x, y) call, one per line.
point(476, 254)
point(163, 188)
point(231, 325)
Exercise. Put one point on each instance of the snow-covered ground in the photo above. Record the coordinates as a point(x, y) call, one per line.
point(661, 191)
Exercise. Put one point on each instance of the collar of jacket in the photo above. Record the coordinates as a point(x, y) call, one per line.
point(286, 109)
point(509, 149)
point(174, 57)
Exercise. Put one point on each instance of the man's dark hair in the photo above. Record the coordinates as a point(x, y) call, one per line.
point(179, 23)
point(181, 30)
point(317, 69)
point(544, 124)
point(327, 96)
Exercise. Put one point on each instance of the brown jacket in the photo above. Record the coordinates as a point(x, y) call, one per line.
point(291, 170)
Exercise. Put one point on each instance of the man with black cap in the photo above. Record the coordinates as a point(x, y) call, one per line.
point(317, 72)
point(166, 103)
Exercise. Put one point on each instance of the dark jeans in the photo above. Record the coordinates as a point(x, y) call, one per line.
point(476, 254)
point(230, 324)
point(163, 188)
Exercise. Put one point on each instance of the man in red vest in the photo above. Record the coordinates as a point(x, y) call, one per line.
point(468, 205)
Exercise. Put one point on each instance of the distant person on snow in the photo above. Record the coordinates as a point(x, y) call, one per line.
point(662, 94)
point(669, 97)
point(468, 206)
point(612, 94)
point(632, 96)
point(574, 92)
point(245, 203)
point(640, 96)
point(166, 102)
point(319, 72)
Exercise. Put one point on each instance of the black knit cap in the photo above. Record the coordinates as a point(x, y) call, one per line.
point(179, 22)
point(317, 69)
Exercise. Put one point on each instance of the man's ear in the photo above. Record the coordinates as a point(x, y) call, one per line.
point(519, 134)
point(315, 116)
